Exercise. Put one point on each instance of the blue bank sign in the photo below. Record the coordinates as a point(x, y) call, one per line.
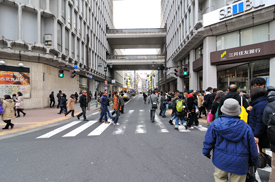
point(238, 7)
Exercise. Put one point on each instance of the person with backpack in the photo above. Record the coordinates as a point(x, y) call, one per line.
point(216, 104)
point(180, 111)
point(269, 121)
point(153, 100)
point(232, 142)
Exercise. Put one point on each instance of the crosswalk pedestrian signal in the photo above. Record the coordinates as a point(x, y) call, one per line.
point(60, 73)
point(72, 73)
point(185, 71)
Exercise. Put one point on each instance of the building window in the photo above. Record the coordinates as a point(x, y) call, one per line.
point(70, 15)
point(254, 35)
point(78, 49)
point(75, 21)
point(73, 46)
point(80, 28)
point(199, 52)
point(59, 37)
point(63, 10)
point(228, 41)
point(67, 42)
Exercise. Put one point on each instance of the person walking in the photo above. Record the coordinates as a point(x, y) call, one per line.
point(163, 102)
point(70, 106)
point(200, 104)
point(269, 109)
point(224, 136)
point(174, 97)
point(180, 111)
point(103, 107)
point(52, 100)
point(116, 107)
point(76, 97)
point(153, 100)
point(122, 103)
point(58, 98)
point(208, 99)
point(144, 97)
point(83, 105)
point(63, 103)
point(20, 104)
point(216, 104)
point(8, 112)
point(191, 105)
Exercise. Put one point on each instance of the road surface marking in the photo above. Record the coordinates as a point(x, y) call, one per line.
point(58, 130)
point(121, 129)
point(80, 129)
point(99, 129)
point(202, 128)
point(141, 127)
point(162, 128)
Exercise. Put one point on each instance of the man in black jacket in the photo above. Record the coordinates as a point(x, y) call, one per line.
point(208, 99)
point(83, 105)
point(233, 93)
point(52, 101)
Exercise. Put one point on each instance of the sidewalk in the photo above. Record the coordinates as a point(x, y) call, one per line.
point(40, 117)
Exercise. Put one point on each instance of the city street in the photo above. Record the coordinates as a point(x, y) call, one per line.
point(135, 151)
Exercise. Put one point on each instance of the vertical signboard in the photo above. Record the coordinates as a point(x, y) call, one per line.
point(15, 79)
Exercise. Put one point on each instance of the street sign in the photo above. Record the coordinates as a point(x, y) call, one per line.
point(106, 82)
point(75, 66)
point(91, 76)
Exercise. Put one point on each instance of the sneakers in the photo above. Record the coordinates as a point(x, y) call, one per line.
point(171, 122)
point(199, 126)
point(107, 122)
point(191, 127)
point(77, 117)
point(100, 121)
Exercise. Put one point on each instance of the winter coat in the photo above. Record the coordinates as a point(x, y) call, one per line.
point(233, 144)
point(70, 104)
point(214, 108)
point(51, 97)
point(191, 103)
point(115, 102)
point(266, 116)
point(20, 102)
point(83, 100)
point(63, 102)
point(8, 107)
point(235, 96)
point(208, 99)
point(104, 101)
point(163, 103)
point(201, 99)
point(154, 98)
point(255, 121)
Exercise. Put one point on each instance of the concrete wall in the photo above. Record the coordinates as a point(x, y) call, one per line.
point(9, 26)
point(40, 90)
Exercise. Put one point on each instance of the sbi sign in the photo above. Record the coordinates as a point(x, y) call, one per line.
point(240, 7)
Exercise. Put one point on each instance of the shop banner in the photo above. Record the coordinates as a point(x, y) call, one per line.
point(13, 80)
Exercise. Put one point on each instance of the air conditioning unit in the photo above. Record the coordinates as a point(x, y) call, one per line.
point(48, 39)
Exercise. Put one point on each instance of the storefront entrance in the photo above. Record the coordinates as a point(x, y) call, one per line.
point(241, 75)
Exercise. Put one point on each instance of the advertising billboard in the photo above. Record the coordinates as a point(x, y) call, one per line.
point(14, 79)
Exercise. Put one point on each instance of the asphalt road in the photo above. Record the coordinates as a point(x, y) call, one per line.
point(135, 151)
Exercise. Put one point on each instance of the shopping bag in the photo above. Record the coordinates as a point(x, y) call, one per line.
point(210, 117)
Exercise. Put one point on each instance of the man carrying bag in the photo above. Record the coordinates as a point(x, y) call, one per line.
point(152, 100)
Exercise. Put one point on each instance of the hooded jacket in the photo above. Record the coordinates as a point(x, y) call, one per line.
point(233, 144)
point(256, 123)
point(8, 108)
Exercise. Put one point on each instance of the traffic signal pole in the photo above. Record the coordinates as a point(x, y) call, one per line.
point(88, 67)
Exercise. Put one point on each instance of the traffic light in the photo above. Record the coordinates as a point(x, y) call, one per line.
point(177, 72)
point(72, 73)
point(60, 73)
point(185, 71)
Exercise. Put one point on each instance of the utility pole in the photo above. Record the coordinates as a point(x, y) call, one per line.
point(88, 68)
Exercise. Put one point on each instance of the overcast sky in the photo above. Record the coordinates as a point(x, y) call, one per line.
point(137, 14)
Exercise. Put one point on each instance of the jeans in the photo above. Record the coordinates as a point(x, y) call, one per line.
point(152, 115)
point(63, 109)
point(103, 113)
point(108, 111)
point(116, 117)
point(163, 111)
point(177, 121)
point(83, 112)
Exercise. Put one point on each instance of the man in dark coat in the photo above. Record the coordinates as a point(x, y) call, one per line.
point(104, 105)
point(52, 101)
point(58, 98)
point(83, 105)
point(233, 93)
point(208, 99)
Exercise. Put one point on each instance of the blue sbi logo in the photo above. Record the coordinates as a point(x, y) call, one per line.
point(240, 7)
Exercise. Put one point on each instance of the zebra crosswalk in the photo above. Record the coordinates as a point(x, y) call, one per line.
point(74, 128)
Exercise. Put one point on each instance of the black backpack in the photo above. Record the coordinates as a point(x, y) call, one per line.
point(271, 125)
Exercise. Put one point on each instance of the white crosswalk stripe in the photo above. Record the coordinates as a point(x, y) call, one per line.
point(118, 130)
point(58, 130)
point(80, 129)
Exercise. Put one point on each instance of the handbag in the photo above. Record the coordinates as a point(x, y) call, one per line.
point(251, 177)
point(244, 114)
point(210, 117)
point(262, 158)
point(154, 104)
